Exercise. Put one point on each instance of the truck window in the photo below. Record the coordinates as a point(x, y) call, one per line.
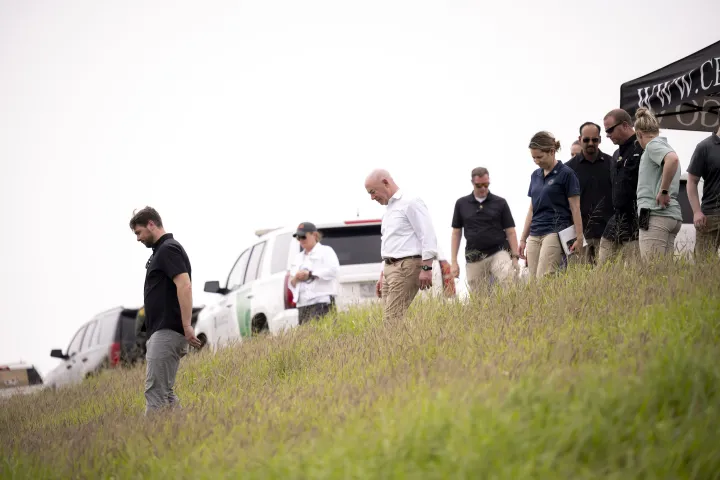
point(354, 245)
point(253, 268)
point(74, 346)
point(87, 342)
point(127, 327)
point(106, 330)
point(280, 252)
point(237, 274)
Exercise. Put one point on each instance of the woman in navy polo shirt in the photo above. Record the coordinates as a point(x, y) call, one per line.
point(554, 206)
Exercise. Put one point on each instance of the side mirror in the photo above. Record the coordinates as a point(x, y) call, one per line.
point(212, 286)
point(56, 353)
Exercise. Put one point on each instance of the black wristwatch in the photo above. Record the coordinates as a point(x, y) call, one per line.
point(664, 192)
point(425, 267)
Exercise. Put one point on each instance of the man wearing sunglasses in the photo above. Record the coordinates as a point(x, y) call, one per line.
point(491, 249)
point(622, 231)
point(592, 168)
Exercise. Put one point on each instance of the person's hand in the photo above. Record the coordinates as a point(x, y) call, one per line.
point(663, 199)
point(425, 279)
point(577, 244)
point(521, 249)
point(378, 286)
point(190, 336)
point(455, 270)
point(302, 275)
point(699, 220)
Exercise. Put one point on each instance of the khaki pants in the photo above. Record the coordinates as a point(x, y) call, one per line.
point(401, 282)
point(544, 254)
point(659, 238)
point(498, 265)
point(608, 249)
point(707, 239)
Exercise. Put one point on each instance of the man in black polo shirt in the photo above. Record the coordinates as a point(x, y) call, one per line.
point(491, 242)
point(705, 164)
point(592, 168)
point(621, 232)
point(168, 308)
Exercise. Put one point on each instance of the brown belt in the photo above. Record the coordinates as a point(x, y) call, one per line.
point(390, 260)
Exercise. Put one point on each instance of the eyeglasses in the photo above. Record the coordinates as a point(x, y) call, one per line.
point(301, 237)
point(611, 129)
point(482, 185)
point(593, 140)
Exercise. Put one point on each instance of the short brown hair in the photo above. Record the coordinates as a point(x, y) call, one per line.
point(143, 216)
point(544, 141)
point(620, 116)
point(479, 172)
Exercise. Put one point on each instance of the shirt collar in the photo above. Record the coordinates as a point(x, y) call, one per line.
point(540, 173)
point(471, 198)
point(630, 141)
point(398, 195)
point(716, 138)
point(161, 240)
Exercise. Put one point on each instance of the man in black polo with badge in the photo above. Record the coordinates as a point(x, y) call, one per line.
point(168, 308)
point(592, 168)
point(491, 243)
point(621, 232)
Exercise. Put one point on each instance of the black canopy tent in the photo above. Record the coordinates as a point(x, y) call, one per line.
point(684, 95)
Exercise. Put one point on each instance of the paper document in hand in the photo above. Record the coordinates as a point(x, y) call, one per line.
point(567, 237)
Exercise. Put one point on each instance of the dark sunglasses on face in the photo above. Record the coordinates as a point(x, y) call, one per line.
point(481, 185)
point(593, 140)
point(301, 237)
point(611, 129)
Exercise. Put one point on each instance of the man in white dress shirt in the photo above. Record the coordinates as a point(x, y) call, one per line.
point(408, 245)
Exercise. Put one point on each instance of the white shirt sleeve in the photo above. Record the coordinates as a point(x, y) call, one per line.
point(419, 217)
point(330, 264)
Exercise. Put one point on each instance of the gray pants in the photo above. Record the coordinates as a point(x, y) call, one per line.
point(165, 348)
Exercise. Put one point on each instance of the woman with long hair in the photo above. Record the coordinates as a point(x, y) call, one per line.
point(554, 206)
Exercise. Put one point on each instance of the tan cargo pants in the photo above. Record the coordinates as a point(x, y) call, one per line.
point(401, 282)
point(498, 265)
point(707, 239)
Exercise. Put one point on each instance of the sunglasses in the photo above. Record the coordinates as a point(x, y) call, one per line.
point(301, 237)
point(482, 185)
point(593, 140)
point(611, 129)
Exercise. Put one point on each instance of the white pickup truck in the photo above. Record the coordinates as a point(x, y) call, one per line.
point(255, 296)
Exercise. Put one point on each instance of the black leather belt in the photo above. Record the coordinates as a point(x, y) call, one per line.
point(390, 260)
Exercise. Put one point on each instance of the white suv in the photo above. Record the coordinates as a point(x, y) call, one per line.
point(256, 297)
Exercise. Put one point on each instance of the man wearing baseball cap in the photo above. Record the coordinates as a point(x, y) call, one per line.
point(313, 275)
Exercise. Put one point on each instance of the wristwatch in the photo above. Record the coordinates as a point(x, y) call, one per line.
point(425, 267)
point(664, 192)
point(514, 255)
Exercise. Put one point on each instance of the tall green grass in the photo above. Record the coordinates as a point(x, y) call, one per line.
point(604, 373)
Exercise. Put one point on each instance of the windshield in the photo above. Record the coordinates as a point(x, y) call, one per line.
point(354, 245)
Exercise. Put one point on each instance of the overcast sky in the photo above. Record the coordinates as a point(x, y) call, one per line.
point(233, 116)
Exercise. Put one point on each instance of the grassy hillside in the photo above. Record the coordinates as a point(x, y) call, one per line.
point(612, 373)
